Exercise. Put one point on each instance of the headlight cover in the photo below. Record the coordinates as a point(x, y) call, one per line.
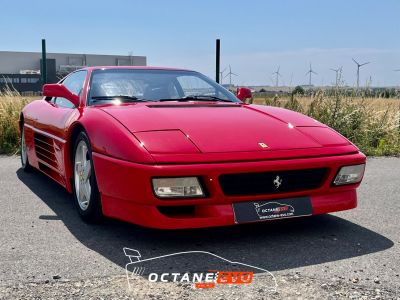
point(349, 174)
point(177, 187)
point(166, 142)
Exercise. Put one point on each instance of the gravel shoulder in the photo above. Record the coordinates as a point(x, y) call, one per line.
point(115, 287)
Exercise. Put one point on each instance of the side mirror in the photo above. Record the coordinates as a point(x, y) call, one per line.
point(244, 93)
point(58, 90)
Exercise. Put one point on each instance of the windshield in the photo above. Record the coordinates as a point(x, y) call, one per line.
point(154, 85)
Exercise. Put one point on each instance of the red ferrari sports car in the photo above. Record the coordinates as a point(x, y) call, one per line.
point(170, 148)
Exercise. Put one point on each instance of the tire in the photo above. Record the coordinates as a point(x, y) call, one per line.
point(24, 153)
point(86, 192)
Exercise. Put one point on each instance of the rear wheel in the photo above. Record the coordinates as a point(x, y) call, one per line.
point(24, 153)
point(86, 192)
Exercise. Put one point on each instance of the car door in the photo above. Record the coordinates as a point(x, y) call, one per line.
point(51, 124)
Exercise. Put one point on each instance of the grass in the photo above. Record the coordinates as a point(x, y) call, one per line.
point(11, 104)
point(373, 124)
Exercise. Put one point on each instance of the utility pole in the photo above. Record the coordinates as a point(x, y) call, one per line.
point(44, 62)
point(217, 59)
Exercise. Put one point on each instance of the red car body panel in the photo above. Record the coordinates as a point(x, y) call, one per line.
point(133, 143)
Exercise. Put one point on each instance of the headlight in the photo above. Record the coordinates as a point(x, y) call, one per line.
point(177, 187)
point(349, 174)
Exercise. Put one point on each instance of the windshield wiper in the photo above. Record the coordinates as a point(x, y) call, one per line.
point(197, 98)
point(119, 97)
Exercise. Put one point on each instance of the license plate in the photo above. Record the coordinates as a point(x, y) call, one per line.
point(272, 209)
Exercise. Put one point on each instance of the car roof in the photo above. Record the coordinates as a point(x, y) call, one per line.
point(132, 67)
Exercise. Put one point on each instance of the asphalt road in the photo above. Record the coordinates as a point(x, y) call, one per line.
point(42, 239)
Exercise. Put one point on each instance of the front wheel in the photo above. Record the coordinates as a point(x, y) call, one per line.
point(24, 152)
point(86, 192)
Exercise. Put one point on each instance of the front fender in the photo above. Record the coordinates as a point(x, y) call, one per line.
point(109, 137)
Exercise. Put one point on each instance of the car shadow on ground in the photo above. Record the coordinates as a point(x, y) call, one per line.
point(277, 245)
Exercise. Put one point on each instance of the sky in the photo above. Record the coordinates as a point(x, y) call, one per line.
point(256, 36)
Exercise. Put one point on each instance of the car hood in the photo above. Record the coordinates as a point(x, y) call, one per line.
point(217, 127)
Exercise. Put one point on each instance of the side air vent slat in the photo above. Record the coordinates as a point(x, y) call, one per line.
point(41, 149)
point(45, 152)
point(53, 173)
point(48, 160)
point(44, 144)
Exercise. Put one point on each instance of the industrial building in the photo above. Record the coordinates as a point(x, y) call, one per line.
point(21, 70)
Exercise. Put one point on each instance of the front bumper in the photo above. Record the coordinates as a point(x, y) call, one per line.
point(127, 194)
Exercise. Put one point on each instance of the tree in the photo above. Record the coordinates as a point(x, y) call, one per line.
point(298, 90)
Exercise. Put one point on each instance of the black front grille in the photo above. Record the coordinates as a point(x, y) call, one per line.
point(272, 182)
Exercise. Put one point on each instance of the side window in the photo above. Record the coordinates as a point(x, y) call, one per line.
point(74, 83)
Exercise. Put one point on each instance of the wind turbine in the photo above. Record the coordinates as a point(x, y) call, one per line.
point(272, 80)
point(230, 76)
point(311, 71)
point(397, 70)
point(358, 71)
point(221, 75)
point(277, 74)
point(337, 74)
point(291, 80)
